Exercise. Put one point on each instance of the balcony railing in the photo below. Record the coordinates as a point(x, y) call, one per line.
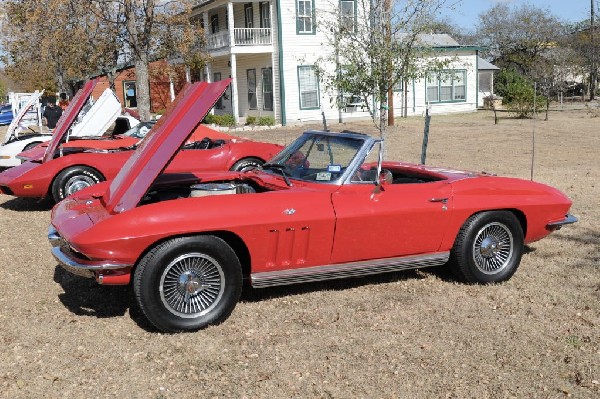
point(218, 40)
point(252, 36)
point(241, 37)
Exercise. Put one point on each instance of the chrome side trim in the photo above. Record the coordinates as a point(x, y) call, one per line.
point(568, 219)
point(83, 267)
point(344, 270)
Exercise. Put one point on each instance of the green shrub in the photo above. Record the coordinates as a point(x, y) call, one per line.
point(209, 119)
point(251, 120)
point(518, 93)
point(226, 120)
point(266, 121)
point(221, 120)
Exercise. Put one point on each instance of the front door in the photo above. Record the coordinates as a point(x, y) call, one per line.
point(402, 219)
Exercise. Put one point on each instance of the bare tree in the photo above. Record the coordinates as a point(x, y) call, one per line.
point(50, 44)
point(149, 30)
point(375, 51)
point(517, 37)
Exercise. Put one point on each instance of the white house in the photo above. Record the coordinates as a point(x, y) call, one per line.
point(269, 49)
point(486, 79)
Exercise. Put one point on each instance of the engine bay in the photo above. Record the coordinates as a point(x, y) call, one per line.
point(159, 193)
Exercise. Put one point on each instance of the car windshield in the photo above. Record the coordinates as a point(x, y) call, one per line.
point(140, 130)
point(316, 157)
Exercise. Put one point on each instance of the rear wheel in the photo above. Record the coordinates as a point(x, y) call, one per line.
point(73, 179)
point(488, 247)
point(246, 164)
point(188, 283)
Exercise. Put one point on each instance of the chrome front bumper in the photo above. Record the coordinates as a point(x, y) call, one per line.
point(568, 219)
point(73, 263)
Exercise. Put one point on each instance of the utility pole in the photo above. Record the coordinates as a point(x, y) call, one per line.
point(390, 93)
point(593, 67)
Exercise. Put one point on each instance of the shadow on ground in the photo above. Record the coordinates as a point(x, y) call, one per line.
point(85, 297)
point(28, 204)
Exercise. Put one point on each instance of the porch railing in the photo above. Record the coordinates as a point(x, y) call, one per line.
point(217, 40)
point(241, 37)
point(252, 36)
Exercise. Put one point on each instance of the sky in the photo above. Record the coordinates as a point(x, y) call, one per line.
point(466, 13)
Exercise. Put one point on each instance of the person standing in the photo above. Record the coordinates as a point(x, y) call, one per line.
point(63, 103)
point(52, 114)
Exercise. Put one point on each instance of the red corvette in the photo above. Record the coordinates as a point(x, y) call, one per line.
point(66, 167)
point(325, 207)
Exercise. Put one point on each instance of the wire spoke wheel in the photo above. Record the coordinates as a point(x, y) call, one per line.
point(493, 248)
point(77, 183)
point(192, 285)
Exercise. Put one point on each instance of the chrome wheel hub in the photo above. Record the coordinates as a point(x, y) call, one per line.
point(493, 248)
point(192, 285)
point(77, 183)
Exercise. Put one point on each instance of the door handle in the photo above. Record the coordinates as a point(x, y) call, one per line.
point(442, 200)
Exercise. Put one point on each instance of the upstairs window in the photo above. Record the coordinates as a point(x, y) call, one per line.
point(348, 14)
point(305, 16)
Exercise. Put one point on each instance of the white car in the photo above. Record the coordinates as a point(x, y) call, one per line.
point(94, 120)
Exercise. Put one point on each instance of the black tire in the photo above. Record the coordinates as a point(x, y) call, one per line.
point(246, 164)
point(165, 277)
point(73, 179)
point(488, 248)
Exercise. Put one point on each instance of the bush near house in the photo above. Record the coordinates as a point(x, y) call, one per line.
point(220, 120)
point(260, 121)
point(266, 121)
point(518, 93)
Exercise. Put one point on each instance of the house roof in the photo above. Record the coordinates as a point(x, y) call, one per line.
point(438, 41)
point(431, 39)
point(484, 65)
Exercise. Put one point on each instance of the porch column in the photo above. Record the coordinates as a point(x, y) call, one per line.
point(230, 23)
point(234, 90)
point(274, 62)
point(206, 23)
point(171, 88)
point(208, 80)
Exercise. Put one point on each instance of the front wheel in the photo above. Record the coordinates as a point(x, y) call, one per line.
point(188, 283)
point(74, 179)
point(246, 164)
point(488, 248)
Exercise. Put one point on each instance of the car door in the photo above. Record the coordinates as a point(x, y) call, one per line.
point(398, 220)
point(401, 220)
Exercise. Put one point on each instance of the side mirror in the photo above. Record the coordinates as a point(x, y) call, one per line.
point(385, 178)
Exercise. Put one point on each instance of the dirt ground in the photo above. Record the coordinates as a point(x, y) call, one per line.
point(416, 334)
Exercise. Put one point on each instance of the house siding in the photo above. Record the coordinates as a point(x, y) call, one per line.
point(305, 49)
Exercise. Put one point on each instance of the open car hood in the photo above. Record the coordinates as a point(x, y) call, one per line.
point(68, 117)
point(16, 122)
point(93, 122)
point(161, 144)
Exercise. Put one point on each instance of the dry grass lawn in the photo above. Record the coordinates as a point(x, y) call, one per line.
point(416, 334)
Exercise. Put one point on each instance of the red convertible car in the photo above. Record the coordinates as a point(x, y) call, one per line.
point(66, 167)
point(326, 207)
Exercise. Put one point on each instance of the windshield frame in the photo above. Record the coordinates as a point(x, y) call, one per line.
point(366, 143)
